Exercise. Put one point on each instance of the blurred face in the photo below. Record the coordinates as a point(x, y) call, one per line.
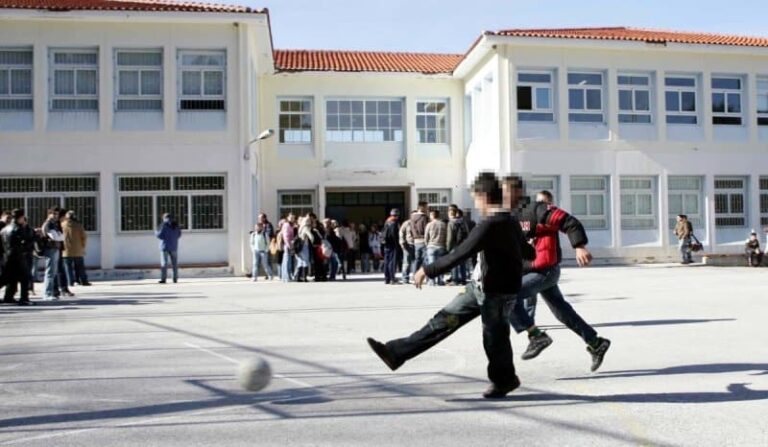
point(262, 218)
point(481, 202)
point(752, 237)
point(542, 198)
point(512, 194)
point(291, 218)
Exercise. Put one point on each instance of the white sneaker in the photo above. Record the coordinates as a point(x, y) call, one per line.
point(51, 298)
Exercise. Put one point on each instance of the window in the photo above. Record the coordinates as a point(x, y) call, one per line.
point(534, 97)
point(536, 184)
point(364, 121)
point(295, 121)
point(685, 196)
point(74, 80)
point(730, 195)
point(37, 194)
point(437, 199)
point(680, 96)
point(139, 80)
point(432, 121)
point(638, 203)
point(589, 201)
point(763, 200)
point(299, 203)
point(634, 99)
point(726, 101)
point(585, 97)
point(196, 201)
point(15, 79)
point(202, 80)
point(762, 101)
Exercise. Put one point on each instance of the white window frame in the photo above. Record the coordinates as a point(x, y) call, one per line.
point(584, 88)
point(140, 69)
point(443, 200)
point(730, 193)
point(189, 194)
point(728, 94)
point(75, 68)
point(444, 114)
point(762, 93)
point(530, 116)
point(364, 134)
point(289, 207)
point(695, 217)
point(537, 183)
point(634, 90)
point(678, 90)
point(202, 69)
point(590, 195)
point(60, 195)
point(12, 97)
point(281, 113)
point(763, 184)
point(634, 219)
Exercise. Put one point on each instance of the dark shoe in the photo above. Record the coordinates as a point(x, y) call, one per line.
point(598, 352)
point(499, 391)
point(86, 284)
point(10, 301)
point(161, 281)
point(26, 303)
point(69, 294)
point(381, 350)
point(175, 281)
point(536, 345)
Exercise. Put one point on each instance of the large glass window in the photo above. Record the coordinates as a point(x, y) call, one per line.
point(139, 84)
point(299, 203)
point(202, 80)
point(634, 98)
point(726, 100)
point(432, 121)
point(540, 183)
point(364, 120)
point(196, 201)
point(74, 80)
point(685, 196)
point(638, 203)
point(730, 201)
point(15, 79)
point(37, 194)
point(437, 199)
point(585, 98)
point(589, 201)
point(680, 98)
point(535, 96)
point(295, 121)
point(762, 101)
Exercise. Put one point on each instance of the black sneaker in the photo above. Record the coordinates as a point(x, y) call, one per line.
point(598, 352)
point(536, 345)
point(381, 350)
point(496, 391)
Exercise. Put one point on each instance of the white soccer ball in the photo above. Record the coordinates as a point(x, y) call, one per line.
point(254, 374)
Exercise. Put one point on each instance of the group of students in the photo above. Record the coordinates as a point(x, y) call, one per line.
point(518, 256)
point(60, 241)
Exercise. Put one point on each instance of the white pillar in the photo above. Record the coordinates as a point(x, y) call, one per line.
point(611, 102)
point(561, 89)
point(108, 218)
point(661, 107)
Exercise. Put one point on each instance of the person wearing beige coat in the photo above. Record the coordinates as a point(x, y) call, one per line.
point(75, 240)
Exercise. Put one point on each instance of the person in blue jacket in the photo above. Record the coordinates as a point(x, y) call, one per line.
point(169, 234)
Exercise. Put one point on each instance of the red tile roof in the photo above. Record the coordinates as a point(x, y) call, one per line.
point(365, 61)
point(124, 5)
point(638, 34)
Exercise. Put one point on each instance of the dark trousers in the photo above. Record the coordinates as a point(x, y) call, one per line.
point(62, 284)
point(16, 272)
point(494, 311)
point(75, 270)
point(545, 283)
point(390, 263)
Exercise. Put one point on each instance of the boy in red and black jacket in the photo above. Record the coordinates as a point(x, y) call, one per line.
point(542, 222)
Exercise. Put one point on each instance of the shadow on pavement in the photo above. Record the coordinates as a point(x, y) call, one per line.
point(706, 368)
point(641, 323)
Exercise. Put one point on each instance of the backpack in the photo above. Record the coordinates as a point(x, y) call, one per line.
point(298, 244)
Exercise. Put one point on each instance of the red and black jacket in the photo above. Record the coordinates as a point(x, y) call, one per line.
point(542, 223)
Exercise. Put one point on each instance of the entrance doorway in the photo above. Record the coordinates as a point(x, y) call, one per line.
point(370, 206)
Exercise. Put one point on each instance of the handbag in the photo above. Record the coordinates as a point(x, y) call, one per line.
point(696, 244)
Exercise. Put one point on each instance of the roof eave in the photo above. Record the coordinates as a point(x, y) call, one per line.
point(139, 16)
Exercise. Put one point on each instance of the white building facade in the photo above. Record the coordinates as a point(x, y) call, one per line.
point(123, 115)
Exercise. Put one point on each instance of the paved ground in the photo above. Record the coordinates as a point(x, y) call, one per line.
point(137, 364)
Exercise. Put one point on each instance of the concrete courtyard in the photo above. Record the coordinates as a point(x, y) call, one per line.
point(140, 364)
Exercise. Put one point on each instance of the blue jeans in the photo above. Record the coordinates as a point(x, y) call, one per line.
point(408, 257)
point(459, 273)
point(433, 253)
point(174, 259)
point(545, 283)
point(333, 263)
point(75, 270)
point(390, 262)
point(494, 311)
point(365, 262)
point(50, 284)
point(685, 249)
point(419, 256)
point(261, 257)
point(286, 270)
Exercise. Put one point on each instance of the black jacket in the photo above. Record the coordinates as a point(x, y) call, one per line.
point(501, 241)
point(17, 243)
point(543, 222)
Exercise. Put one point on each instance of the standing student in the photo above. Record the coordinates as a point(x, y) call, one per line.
point(374, 241)
point(75, 240)
point(52, 241)
point(391, 240)
point(498, 242)
point(684, 233)
point(405, 238)
point(752, 250)
point(434, 238)
point(16, 243)
point(419, 221)
point(287, 235)
point(260, 247)
point(169, 234)
point(456, 234)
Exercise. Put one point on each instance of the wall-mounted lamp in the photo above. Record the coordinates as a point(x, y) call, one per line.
point(262, 136)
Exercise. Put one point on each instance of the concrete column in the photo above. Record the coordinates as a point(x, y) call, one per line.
point(663, 188)
point(709, 207)
point(753, 203)
point(108, 218)
point(615, 208)
point(611, 101)
point(507, 122)
point(410, 139)
point(561, 102)
point(749, 106)
point(169, 88)
point(661, 107)
point(106, 88)
point(40, 73)
point(706, 105)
